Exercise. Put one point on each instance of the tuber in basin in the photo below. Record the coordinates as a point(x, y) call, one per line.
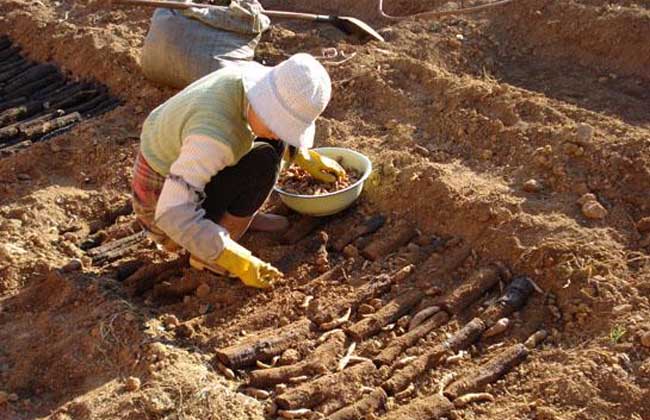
point(334, 202)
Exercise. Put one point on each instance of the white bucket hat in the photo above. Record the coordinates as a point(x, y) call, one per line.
point(289, 97)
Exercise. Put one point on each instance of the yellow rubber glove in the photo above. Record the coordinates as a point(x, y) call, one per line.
point(320, 167)
point(251, 270)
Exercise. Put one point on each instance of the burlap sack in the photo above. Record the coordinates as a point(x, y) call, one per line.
point(185, 45)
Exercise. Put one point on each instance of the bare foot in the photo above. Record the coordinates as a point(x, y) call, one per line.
point(267, 222)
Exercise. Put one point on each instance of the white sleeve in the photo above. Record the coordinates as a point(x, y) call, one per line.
point(200, 159)
point(178, 212)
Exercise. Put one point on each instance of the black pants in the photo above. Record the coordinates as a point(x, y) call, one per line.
point(241, 189)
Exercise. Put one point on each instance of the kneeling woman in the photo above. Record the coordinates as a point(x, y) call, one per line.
point(210, 156)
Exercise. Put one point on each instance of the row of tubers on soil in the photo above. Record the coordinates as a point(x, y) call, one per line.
point(375, 317)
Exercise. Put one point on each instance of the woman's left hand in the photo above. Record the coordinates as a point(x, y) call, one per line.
point(320, 167)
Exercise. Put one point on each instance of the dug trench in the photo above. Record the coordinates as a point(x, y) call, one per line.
point(484, 159)
point(37, 102)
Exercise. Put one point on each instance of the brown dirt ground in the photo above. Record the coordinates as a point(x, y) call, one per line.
point(456, 114)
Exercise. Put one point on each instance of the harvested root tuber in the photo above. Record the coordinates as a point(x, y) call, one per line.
point(259, 394)
point(398, 345)
point(386, 315)
point(325, 326)
point(368, 226)
point(370, 403)
point(148, 275)
point(489, 372)
point(498, 328)
point(295, 414)
point(462, 339)
point(471, 290)
point(322, 256)
point(535, 339)
point(324, 358)
point(326, 387)
point(264, 348)
point(429, 407)
point(422, 315)
point(295, 180)
point(228, 373)
point(467, 399)
point(301, 229)
point(389, 242)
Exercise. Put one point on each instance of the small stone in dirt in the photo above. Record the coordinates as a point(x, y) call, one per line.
point(132, 384)
point(622, 309)
point(74, 265)
point(13, 397)
point(594, 210)
point(403, 321)
point(323, 237)
point(645, 339)
point(158, 403)
point(184, 331)
point(574, 150)
point(532, 186)
point(170, 321)
point(156, 351)
point(202, 291)
point(584, 132)
point(643, 225)
point(366, 309)
point(376, 303)
point(70, 250)
point(587, 198)
point(23, 177)
point(289, 357)
point(204, 308)
point(351, 251)
point(86, 261)
point(413, 247)
point(69, 236)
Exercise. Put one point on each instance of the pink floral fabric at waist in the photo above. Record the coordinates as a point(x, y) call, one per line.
point(146, 187)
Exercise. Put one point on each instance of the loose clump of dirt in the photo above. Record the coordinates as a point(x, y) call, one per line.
point(508, 201)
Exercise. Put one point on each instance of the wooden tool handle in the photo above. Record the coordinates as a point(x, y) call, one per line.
point(159, 3)
point(296, 15)
point(176, 5)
